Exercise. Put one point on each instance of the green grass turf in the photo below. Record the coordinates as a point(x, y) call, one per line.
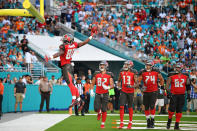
point(90, 123)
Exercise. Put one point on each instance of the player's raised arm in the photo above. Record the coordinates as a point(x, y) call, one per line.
point(84, 42)
point(59, 53)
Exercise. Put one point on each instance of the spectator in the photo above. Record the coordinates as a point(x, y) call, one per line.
point(160, 100)
point(34, 58)
point(194, 94)
point(18, 67)
point(45, 89)
point(38, 82)
point(14, 80)
point(20, 25)
point(63, 12)
point(138, 100)
point(7, 79)
point(19, 93)
point(1, 95)
point(53, 81)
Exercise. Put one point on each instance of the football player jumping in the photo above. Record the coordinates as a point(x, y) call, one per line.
point(179, 84)
point(150, 77)
point(65, 53)
point(128, 78)
point(103, 81)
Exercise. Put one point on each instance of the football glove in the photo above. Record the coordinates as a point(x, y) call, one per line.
point(105, 87)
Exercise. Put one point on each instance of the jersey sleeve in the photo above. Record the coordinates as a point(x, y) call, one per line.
point(141, 71)
point(76, 44)
point(134, 71)
point(95, 73)
point(156, 69)
point(111, 74)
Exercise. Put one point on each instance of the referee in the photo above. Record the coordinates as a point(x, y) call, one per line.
point(45, 89)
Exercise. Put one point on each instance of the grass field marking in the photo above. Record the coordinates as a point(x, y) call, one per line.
point(159, 121)
point(138, 115)
point(156, 128)
point(158, 124)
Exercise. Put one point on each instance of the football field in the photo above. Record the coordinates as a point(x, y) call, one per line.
point(90, 123)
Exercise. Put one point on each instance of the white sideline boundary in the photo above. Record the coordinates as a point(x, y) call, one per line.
point(34, 122)
point(161, 128)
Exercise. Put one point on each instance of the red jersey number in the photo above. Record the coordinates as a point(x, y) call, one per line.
point(150, 78)
point(126, 79)
point(178, 83)
point(100, 82)
point(69, 53)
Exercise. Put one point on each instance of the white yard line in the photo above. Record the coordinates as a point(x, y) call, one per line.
point(34, 122)
point(140, 115)
point(159, 124)
point(163, 128)
point(134, 121)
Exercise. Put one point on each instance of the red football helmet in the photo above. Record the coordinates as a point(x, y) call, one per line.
point(67, 39)
point(127, 65)
point(105, 63)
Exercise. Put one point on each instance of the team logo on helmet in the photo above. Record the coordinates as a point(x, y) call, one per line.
point(67, 39)
point(103, 68)
point(127, 65)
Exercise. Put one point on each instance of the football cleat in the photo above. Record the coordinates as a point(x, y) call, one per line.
point(121, 125)
point(74, 102)
point(129, 125)
point(81, 104)
point(102, 126)
point(168, 123)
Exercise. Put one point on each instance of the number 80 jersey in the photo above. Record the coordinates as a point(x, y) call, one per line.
point(150, 79)
point(101, 79)
point(68, 52)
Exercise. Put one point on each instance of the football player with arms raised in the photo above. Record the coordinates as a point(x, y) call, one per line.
point(66, 51)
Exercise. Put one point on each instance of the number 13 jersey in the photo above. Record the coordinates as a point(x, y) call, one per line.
point(150, 79)
point(68, 52)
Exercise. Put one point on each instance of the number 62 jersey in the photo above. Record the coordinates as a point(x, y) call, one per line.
point(150, 79)
point(68, 52)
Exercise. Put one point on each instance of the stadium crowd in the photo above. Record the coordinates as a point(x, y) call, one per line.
point(161, 33)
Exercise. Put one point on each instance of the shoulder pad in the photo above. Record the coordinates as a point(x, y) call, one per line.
point(156, 69)
point(141, 71)
point(121, 70)
point(172, 73)
point(110, 73)
point(185, 74)
point(134, 71)
point(96, 72)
